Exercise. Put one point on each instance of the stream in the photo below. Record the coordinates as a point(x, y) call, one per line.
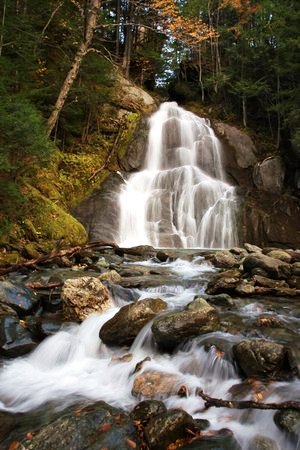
point(75, 364)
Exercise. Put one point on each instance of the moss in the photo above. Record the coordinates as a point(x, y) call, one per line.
point(130, 122)
point(9, 258)
point(51, 222)
point(31, 250)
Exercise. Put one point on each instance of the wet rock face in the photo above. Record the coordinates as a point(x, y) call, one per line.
point(83, 296)
point(263, 358)
point(135, 153)
point(173, 328)
point(123, 328)
point(103, 225)
point(22, 300)
point(288, 421)
point(268, 175)
point(93, 427)
point(146, 409)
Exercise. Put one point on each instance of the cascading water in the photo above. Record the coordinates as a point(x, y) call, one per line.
point(181, 198)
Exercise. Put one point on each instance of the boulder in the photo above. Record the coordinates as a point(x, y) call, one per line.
point(252, 248)
point(92, 427)
point(21, 299)
point(111, 275)
point(288, 421)
point(245, 288)
point(280, 254)
point(259, 442)
point(83, 296)
point(165, 429)
point(123, 328)
point(174, 328)
point(151, 384)
point(146, 409)
point(264, 358)
point(217, 440)
point(224, 282)
point(220, 300)
point(15, 339)
point(268, 175)
point(275, 268)
point(268, 282)
point(224, 259)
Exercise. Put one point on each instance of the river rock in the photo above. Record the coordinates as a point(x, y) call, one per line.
point(280, 254)
point(268, 175)
point(122, 293)
point(224, 259)
point(264, 358)
point(252, 248)
point(173, 328)
point(151, 384)
point(275, 268)
point(123, 328)
point(245, 288)
point(111, 275)
point(224, 282)
point(83, 296)
point(296, 269)
point(19, 298)
point(93, 427)
point(269, 321)
point(165, 429)
point(262, 443)
point(220, 300)
point(268, 282)
point(15, 340)
point(146, 409)
point(218, 440)
point(8, 423)
point(288, 421)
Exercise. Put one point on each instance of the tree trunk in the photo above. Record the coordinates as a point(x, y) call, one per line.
point(3, 23)
point(118, 16)
point(244, 111)
point(278, 112)
point(91, 23)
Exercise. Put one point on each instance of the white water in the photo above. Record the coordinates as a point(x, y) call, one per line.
point(181, 198)
point(75, 364)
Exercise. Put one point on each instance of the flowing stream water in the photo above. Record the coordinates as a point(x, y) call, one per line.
point(181, 197)
point(74, 363)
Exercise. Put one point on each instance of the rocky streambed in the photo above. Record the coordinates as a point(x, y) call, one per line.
point(118, 348)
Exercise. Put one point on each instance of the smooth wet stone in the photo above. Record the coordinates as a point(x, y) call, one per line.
point(275, 268)
point(144, 251)
point(151, 384)
point(84, 296)
point(131, 273)
point(222, 440)
point(264, 358)
point(8, 423)
point(93, 427)
point(41, 327)
point(262, 443)
point(19, 298)
point(198, 317)
point(165, 429)
point(268, 282)
point(288, 421)
point(123, 328)
point(15, 340)
point(224, 282)
point(146, 409)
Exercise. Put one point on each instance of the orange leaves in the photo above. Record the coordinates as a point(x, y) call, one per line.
point(190, 31)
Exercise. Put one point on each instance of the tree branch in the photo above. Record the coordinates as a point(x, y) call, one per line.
point(245, 404)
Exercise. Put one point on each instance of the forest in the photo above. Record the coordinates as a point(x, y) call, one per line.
point(238, 59)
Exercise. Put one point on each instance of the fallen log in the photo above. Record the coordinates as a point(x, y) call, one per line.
point(245, 404)
point(32, 263)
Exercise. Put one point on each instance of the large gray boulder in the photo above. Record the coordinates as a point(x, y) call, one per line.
point(123, 328)
point(173, 328)
point(268, 175)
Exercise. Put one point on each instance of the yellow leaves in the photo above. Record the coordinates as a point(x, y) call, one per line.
point(190, 31)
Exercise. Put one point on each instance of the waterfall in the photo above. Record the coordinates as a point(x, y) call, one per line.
point(181, 197)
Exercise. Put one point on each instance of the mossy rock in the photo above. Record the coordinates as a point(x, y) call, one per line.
point(9, 258)
point(51, 222)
